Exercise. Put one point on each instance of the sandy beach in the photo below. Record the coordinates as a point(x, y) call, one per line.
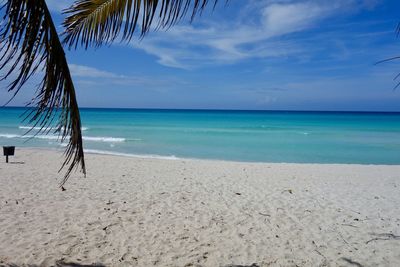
point(157, 212)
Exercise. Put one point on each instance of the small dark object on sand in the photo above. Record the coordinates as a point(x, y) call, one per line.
point(352, 262)
point(253, 265)
point(62, 188)
point(384, 236)
point(8, 151)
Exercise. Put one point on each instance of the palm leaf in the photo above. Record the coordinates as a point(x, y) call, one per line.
point(391, 59)
point(30, 44)
point(94, 22)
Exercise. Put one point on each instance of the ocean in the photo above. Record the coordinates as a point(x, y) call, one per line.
point(253, 136)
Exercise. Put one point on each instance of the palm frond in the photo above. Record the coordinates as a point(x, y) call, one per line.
point(391, 59)
point(29, 45)
point(94, 22)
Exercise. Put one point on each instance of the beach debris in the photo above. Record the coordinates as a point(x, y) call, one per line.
point(63, 188)
point(264, 214)
point(350, 261)
point(323, 256)
point(253, 265)
point(238, 194)
point(347, 224)
point(288, 190)
point(62, 263)
point(384, 236)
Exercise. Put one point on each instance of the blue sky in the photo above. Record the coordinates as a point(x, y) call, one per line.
point(255, 54)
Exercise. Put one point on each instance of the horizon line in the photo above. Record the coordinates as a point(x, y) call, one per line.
point(227, 110)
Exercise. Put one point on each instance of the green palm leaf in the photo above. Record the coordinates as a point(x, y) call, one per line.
point(94, 22)
point(30, 44)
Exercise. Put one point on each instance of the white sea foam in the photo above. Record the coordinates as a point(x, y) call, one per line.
point(51, 128)
point(46, 137)
point(10, 135)
point(111, 153)
point(104, 139)
point(27, 136)
point(56, 137)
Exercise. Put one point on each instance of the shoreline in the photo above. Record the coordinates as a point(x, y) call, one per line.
point(155, 212)
point(175, 158)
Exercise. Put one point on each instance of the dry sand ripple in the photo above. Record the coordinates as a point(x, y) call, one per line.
point(149, 212)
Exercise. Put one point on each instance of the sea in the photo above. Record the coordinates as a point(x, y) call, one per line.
point(249, 136)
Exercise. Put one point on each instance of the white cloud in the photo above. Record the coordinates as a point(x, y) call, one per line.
point(280, 19)
point(92, 77)
point(89, 72)
point(256, 33)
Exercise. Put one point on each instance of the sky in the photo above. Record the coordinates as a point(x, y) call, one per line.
point(252, 55)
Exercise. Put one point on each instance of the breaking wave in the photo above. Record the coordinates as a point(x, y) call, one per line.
point(56, 137)
point(111, 153)
point(51, 128)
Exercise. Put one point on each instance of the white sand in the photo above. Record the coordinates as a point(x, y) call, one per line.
point(148, 212)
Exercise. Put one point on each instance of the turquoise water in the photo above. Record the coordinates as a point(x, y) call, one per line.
point(260, 136)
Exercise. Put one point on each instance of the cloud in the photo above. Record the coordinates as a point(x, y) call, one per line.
point(90, 72)
point(280, 19)
point(259, 31)
point(91, 77)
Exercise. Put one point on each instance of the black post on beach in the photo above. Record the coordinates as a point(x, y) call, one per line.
point(8, 151)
